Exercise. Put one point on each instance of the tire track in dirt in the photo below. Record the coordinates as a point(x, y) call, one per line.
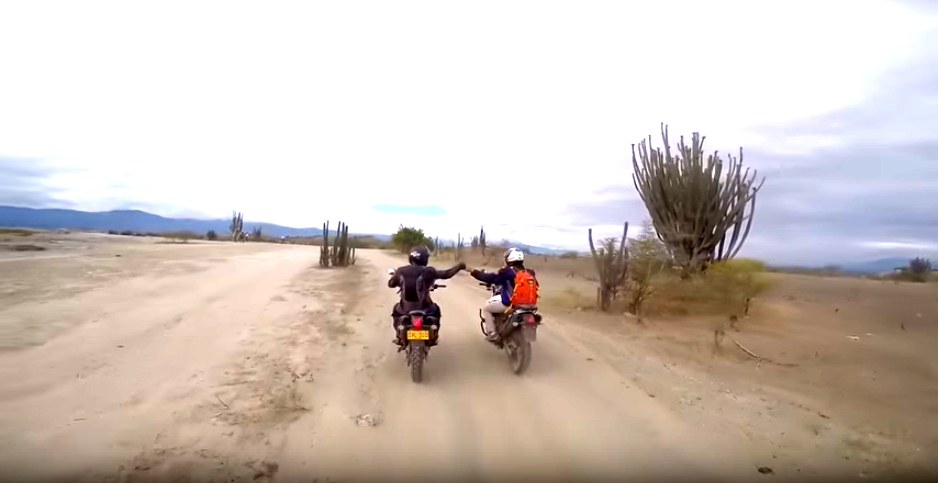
point(269, 385)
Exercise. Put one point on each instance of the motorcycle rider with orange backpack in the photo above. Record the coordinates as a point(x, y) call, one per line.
point(516, 285)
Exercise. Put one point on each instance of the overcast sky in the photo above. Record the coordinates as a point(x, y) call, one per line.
point(295, 112)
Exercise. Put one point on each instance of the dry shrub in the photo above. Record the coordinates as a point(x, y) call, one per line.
point(725, 288)
point(919, 271)
point(17, 231)
point(25, 248)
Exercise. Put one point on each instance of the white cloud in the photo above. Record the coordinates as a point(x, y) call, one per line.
point(299, 111)
point(904, 246)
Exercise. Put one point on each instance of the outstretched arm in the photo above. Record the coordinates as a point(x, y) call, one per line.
point(450, 272)
point(486, 276)
point(393, 282)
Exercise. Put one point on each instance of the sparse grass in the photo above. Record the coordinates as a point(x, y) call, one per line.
point(180, 235)
point(16, 232)
point(567, 299)
point(174, 241)
point(912, 277)
point(722, 290)
point(25, 248)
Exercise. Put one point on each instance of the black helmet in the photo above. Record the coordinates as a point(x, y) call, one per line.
point(419, 256)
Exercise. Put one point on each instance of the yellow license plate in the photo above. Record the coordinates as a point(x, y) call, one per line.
point(418, 335)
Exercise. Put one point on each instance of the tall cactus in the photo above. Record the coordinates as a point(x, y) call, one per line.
point(458, 247)
point(335, 245)
point(692, 205)
point(324, 249)
point(482, 244)
point(612, 266)
point(237, 225)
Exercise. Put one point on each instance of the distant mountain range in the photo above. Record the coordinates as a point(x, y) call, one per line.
point(877, 266)
point(133, 220)
point(143, 222)
point(864, 268)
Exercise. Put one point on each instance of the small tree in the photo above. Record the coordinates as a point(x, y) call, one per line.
point(409, 237)
point(648, 257)
point(919, 269)
point(257, 233)
point(211, 235)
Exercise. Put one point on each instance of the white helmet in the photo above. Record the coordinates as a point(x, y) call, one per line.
point(513, 255)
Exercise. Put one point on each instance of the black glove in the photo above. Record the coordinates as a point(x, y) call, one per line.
point(462, 265)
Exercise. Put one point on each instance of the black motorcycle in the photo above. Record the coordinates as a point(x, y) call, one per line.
point(516, 330)
point(417, 332)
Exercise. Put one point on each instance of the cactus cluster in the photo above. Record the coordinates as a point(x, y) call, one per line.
point(478, 242)
point(692, 202)
point(612, 266)
point(341, 253)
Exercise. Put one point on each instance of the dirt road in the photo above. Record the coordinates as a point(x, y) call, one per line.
point(249, 363)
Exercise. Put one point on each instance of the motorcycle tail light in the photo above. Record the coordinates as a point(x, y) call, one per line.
point(418, 321)
point(529, 318)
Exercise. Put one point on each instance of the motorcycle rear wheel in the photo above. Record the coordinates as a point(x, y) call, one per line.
point(519, 353)
point(416, 354)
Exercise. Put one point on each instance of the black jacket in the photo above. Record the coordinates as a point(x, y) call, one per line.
point(416, 282)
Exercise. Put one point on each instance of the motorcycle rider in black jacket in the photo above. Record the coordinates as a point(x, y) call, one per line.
point(415, 281)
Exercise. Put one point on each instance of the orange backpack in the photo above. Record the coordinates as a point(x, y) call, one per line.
point(525, 292)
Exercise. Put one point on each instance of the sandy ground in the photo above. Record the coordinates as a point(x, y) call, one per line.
point(129, 360)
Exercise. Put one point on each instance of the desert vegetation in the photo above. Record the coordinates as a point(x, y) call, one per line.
point(236, 228)
point(407, 238)
point(919, 270)
point(342, 252)
point(698, 223)
point(692, 204)
point(612, 266)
